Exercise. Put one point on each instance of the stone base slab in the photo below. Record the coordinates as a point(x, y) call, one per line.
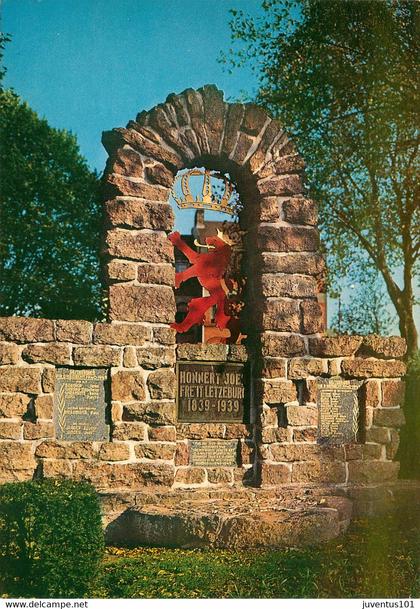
point(247, 518)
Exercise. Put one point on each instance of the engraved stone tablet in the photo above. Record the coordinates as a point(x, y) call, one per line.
point(79, 404)
point(213, 453)
point(210, 392)
point(338, 411)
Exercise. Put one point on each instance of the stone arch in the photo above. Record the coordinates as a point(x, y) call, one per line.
point(198, 128)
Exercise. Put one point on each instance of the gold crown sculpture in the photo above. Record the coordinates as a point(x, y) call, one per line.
point(208, 200)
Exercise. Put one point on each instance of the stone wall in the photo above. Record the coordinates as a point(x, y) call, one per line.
point(147, 447)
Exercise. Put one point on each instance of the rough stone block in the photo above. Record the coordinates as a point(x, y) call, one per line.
point(20, 379)
point(117, 185)
point(299, 210)
point(36, 431)
point(300, 368)
point(155, 357)
point(254, 119)
point(373, 471)
point(26, 329)
point(48, 380)
point(162, 274)
point(153, 247)
point(142, 303)
point(271, 367)
point(272, 238)
point(13, 405)
point(289, 287)
point(73, 331)
point(96, 355)
point(127, 386)
point(393, 393)
point(219, 475)
point(311, 317)
point(279, 392)
point(110, 451)
point(334, 346)
point(55, 449)
point(124, 476)
point(130, 358)
point(365, 368)
point(158, 174)
point(182, 454)
point(317, 471)
point(164, 335)
point(380, 435)
point(139, 213)
point(305, 416)
point(281, 315)
point(154, 413)
point(310, 434)
point(303, 263)
point(214, 116)
point(121, 334)
point(155, 450)
point(129, 431)
point(190, 475)
point(388, 417)
point(161, 384)
point(121, 271)
point(44, 407)
point(238, 430)
point(162, 434)
point(306, 452)
point(52, 353)
point(242, 148)
point(9, 354)
point(126, 162)
point(275, 474)
point(370, 394)
point(212, 352)
point(57, 469)
point(17, 462)
point(233, 123)
point(141, 140)
point(379, 346)
point(281, 185)
point(269, 210)
point(363, 452)
point(10, 430)
point(278, 345)
point(269, 435)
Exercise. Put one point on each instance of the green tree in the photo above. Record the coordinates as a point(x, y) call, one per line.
point(342, 77)
point(49, 219)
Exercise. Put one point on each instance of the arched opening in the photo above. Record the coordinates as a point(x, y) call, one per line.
point(209, 245)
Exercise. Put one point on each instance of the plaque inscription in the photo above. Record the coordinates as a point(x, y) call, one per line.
point(338, 411)
point(79, 404)
point(210, 392)
point(213, 453)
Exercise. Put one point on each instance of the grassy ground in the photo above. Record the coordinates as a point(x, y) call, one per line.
point(378, 558)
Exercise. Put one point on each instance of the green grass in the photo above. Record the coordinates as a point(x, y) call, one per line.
point(376, 558)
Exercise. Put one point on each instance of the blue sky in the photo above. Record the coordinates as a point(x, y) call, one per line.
point(91, 65)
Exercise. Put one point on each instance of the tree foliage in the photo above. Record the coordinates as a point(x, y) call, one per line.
point(49, 219)
point(342, 77)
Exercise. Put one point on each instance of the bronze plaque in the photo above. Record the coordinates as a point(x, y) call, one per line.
point(213, 453)
point(210, 392)
point(338, 408)
point(80, 404)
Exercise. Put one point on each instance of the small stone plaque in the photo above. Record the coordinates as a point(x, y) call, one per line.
point(213, 453)
point(338, 411)
point(79, 404)
point(211, 392)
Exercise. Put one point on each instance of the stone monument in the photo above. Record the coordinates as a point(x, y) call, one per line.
point(267, 439)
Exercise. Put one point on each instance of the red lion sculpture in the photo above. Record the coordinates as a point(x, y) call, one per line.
point(209, 268)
